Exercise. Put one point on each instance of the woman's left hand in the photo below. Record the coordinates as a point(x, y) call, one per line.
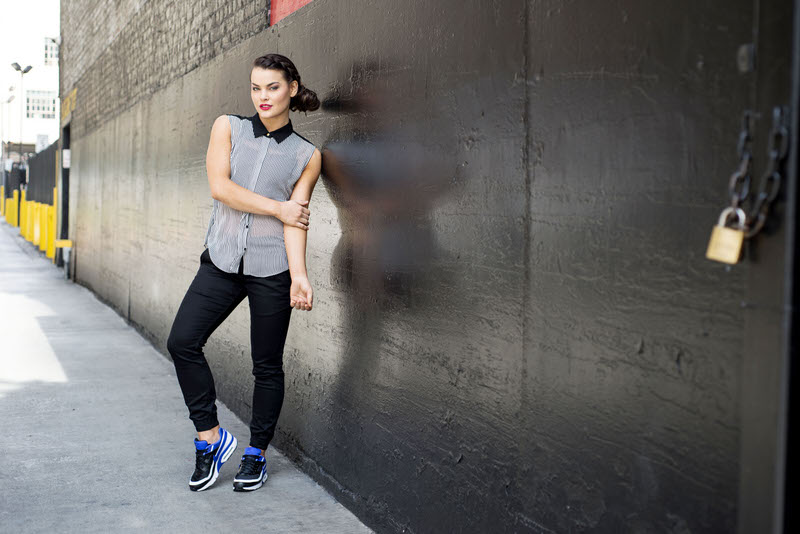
point(300, 294)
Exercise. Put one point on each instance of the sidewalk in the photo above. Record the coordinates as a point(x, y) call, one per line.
point(95, 435)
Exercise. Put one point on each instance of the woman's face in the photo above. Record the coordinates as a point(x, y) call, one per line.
point(270, 92)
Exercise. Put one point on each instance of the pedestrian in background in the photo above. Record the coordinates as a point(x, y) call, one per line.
point(261, 173)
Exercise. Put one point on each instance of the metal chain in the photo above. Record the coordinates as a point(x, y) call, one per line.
point(739, 183)
point(771, 179)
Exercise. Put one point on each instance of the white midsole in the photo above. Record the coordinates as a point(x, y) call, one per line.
point(251, 481)
point(228, 440)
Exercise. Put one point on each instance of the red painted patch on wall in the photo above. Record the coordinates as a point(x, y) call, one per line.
point(281, 8)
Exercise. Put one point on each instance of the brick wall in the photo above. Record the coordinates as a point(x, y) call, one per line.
point(137, 47)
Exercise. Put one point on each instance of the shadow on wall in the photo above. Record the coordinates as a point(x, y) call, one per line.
point(384, 178)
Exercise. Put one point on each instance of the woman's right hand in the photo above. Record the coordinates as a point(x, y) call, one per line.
point(294, 213)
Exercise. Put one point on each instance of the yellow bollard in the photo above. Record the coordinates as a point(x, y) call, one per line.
point(22, 203)
point(15, 208)
point(51, 241)
point(48, 246)
point(36, 219)
point(65, 244)
point(23, 214)
point(43, 227)
point(43, 238)
point(29, 221)
point(24, 217)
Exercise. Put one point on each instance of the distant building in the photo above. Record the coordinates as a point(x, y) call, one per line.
point(32, 116)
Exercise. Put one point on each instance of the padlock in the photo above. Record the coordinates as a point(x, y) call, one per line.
point(726, 243)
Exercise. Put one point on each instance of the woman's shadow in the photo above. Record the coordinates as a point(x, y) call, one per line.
point(384, 180)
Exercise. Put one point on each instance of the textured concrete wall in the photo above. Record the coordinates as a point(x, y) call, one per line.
point(632, 338)
point(559, 357)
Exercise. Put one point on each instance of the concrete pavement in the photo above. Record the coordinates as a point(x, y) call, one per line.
point(95, 435)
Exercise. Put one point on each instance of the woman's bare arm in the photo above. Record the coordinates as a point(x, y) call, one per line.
point(295, 238)
point(218, 166)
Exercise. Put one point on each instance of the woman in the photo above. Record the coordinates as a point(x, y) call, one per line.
point(261, 173)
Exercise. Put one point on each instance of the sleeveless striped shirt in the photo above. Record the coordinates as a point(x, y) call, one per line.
point(268, 163)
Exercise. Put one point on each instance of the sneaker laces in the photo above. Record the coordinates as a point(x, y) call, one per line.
point(251, 464)
point(203, 458)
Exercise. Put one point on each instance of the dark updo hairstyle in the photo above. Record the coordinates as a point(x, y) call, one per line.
point(305, 99)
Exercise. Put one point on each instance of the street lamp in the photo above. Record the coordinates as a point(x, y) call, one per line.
point(4, 128)
point(21, 102)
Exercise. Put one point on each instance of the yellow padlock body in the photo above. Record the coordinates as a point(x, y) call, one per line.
point(725, 245)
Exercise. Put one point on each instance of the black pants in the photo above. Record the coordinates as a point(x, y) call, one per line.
point(211, 297)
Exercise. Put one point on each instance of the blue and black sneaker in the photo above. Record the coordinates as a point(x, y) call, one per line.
point(252, 471)
point(209, 459)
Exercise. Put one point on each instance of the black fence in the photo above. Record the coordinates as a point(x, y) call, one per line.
point(42, 175)
point(13, 179)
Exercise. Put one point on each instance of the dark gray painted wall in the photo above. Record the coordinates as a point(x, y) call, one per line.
point(632, 338)
point(550, 351)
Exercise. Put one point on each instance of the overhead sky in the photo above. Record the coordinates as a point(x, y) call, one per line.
point(23, 28)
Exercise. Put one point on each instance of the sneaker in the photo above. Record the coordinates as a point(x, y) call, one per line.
point(209, 459)
point(252, 471)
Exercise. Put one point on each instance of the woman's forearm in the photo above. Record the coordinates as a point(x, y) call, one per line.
point(295, 240)
point(242, 199)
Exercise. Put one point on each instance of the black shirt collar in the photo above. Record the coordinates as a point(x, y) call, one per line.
point(279, 135)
